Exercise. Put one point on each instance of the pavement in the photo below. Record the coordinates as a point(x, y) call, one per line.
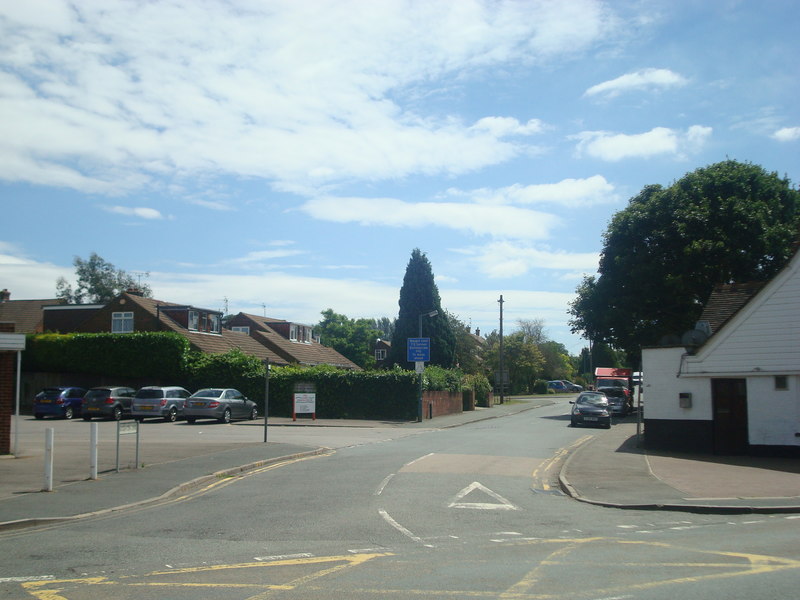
point(606, 467)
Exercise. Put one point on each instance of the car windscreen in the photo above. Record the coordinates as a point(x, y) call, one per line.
point(99, 393)
point(209, 393)
point(593, 400)
point(151, 393)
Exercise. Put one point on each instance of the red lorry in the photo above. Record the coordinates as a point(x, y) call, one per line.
point(617, 385)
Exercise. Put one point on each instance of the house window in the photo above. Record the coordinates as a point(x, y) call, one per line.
point(214, 322)
point(293, 333)
point(781, 382)
point(122, 322)
point(380, 354)
point(307, 335)
point(242, 329)
point(193, 320)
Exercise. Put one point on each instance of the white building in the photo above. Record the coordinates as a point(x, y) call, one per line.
point(734, 386)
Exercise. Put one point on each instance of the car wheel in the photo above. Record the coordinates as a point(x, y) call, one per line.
point(254, 414)
point(171, 416)
point(226, 416)
point(68, 414)
point(190, 420)
point(117, 413)
point(39, 416)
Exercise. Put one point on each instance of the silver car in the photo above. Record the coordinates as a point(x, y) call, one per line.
point(222, 404)
point(157, 401)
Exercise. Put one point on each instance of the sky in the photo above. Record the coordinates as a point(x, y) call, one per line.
point(285, 157)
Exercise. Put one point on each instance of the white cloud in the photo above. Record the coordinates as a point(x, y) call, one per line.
point(644, 79)
point(506, 126)
point(787, 134)
point(107, 99)
point(613, 147)
point(138, 211)
point(567, 192)
point(503, 260)
point(478, 219)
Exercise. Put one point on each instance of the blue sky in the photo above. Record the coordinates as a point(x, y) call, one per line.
point(285, 157)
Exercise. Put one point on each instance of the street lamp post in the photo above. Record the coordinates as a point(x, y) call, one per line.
point(421, 367)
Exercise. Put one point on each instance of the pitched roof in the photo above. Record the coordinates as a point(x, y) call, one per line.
point(305, 353)
point(26, 314)
point(726, 300)
point(210, 343)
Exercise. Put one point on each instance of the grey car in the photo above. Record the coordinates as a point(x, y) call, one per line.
point(109, 402)
point(222, 404)
point(165, 402)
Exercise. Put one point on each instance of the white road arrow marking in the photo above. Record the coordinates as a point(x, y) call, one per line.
point(501, 504)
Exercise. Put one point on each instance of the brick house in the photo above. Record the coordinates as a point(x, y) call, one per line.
point(131, 312)
point(25, 314)
point(293, 342)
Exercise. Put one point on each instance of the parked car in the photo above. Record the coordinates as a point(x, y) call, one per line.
point(590, 408)
point(619, 401)
point(64, 402)
point(222, 404)
point(109, 402)
point(559, 387)
point(156, 401)
point(572, 387)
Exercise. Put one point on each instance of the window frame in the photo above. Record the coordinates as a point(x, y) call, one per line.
point(122, 321)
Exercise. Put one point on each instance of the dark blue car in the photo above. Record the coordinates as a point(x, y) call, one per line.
point(64, 402)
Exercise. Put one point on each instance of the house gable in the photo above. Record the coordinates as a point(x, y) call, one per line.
point(762, 336)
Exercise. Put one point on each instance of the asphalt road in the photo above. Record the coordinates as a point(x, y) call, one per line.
point(468, 512)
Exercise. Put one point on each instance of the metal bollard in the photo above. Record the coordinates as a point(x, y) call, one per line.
point(92, 450)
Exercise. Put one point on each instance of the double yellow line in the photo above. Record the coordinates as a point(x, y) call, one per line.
point(541, 475)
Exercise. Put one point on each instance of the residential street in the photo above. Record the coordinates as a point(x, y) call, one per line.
point(457, 512)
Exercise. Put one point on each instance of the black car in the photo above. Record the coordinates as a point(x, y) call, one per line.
point(109, 402)
point(64, 402)
point(590, 408)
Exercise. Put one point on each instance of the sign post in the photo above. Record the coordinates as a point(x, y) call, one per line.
point(128, 428)
point(419, 352)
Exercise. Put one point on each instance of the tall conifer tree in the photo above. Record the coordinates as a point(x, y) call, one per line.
point(418, 296)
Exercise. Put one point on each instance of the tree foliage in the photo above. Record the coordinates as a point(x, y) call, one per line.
point(664, 253)
point(98, 282)
point(521, 357)
point(468, 352)
point(419, 296)
point(352, 338)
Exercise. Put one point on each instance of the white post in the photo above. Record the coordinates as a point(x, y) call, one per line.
point(49, 435)
point(16, 411)
point(92, 450)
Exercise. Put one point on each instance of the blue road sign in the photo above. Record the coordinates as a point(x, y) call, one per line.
point(419, 350)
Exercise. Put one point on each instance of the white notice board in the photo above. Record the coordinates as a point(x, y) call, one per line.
point(305, 403)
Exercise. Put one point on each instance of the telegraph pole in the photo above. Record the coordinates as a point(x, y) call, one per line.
point(502, 358)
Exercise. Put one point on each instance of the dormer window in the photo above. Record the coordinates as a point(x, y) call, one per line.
point(293, 332)
point(214, 323)
point(194, 319)
point(122, 322)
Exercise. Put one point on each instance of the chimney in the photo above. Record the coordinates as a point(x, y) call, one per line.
point(478, 331)
point(134, 291)
point(5, 295)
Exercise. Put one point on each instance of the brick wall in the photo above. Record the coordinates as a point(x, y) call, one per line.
point(436, 404)
point(8, 371)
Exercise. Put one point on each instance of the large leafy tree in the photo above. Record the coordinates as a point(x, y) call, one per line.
point(419, 296)
point(352, 338)
point(521, 358)
point(98, 282)
point(664, 253)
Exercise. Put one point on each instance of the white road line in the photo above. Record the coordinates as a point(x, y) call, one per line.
point(383, 484)
point(282, 557)
point(24, 579)
point(417, 460)
point(400, 528)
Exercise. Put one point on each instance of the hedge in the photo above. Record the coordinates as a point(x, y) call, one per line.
point(156, 354)
point(390, 394)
